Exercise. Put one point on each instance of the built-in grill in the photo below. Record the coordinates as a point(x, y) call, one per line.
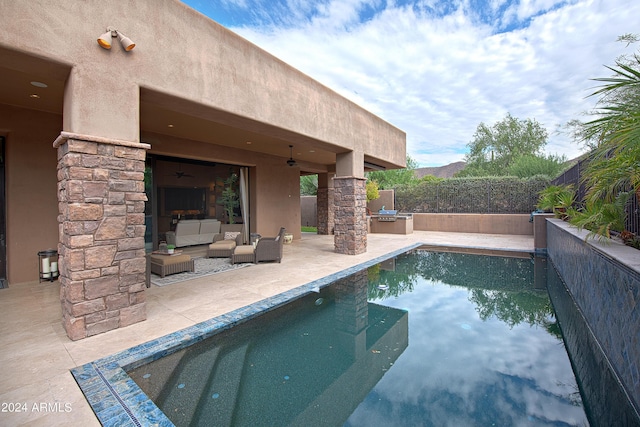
point(387, 215)
point(390, 222)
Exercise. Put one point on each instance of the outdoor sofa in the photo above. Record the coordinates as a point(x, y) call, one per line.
point(191, 232)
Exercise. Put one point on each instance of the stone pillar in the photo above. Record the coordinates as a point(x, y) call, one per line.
point(352, 304)
point(350, 202)
point(325, 209)
point(102, 264)
point(352, 314)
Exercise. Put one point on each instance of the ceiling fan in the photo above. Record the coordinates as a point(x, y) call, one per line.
point(180, 174)
point(291, 162)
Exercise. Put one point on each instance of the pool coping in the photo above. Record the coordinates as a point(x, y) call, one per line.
point(117, 400)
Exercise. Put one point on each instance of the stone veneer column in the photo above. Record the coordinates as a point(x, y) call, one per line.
point(102, 264)
point(352, 303)
point(352, 314)
point(325, 211)
point(324, 199)
point(350, 202)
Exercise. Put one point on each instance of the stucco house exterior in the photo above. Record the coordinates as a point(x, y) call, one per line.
point(94, 140)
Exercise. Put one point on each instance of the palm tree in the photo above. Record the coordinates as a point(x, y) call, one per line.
point(615, 164)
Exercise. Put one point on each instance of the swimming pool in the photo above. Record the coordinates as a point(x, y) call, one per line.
point(426, 338)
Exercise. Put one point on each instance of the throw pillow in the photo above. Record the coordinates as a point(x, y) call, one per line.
point(231, 235)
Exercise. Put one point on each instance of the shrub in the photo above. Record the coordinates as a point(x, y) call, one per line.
point(471, 195)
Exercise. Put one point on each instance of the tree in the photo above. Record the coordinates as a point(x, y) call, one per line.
point(615, 163)
point(614, 166)
point(372, 190)
point(309, 185)
point(529, 165)
point(229, 198)
point(391, 178)
point(495, 149)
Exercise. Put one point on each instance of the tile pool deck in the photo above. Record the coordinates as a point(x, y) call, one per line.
point(36, 356)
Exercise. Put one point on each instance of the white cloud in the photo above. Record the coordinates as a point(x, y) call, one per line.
point(438, 76)
point(529, 8)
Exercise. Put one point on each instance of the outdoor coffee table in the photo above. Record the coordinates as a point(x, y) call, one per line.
point(164, 263)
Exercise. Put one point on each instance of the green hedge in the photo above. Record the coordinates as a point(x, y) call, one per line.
point(471, 195)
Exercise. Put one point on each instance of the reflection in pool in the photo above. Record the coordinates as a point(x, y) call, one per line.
point(427, 338)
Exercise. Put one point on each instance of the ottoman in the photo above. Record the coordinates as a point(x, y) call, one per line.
point(170, 264)
point(243, 253)
point(221, 249)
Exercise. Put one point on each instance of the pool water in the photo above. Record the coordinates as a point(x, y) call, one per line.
point(426, 338)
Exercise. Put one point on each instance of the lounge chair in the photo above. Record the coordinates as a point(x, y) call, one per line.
point(225, 229)
point(270, 248)
point(226, 241)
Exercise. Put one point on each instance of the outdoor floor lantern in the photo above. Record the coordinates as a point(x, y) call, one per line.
point(48, 264)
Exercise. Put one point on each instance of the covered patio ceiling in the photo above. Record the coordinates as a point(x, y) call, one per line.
point(166, 115)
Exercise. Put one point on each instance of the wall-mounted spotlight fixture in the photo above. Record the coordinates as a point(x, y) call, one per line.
point(105, 39)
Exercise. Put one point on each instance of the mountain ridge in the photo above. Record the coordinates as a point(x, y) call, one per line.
point(446, 171)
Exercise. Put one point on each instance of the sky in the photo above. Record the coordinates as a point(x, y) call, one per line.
point(436, 69)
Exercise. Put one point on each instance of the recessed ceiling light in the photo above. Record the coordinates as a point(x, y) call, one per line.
point(34, 95)
point(169, 126)
point(249, 142)
point(312, 151)
point(39, 84)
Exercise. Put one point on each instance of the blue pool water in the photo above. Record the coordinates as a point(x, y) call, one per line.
point(426, 338)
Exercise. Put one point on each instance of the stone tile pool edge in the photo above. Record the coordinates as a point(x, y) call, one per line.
point(117, 400)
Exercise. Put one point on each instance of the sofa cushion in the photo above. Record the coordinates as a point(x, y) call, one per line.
point(208, 229)
point(223, 244)
point(243, 249)
point(188, 227)
point(231, 235)
point(209, 226)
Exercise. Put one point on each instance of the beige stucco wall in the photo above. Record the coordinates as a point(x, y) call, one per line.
point(175, 48)
point(31, 188)
point(386, 199)
point(474, 223)
point(277, 200)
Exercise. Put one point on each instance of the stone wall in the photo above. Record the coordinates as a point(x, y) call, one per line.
point(101, 228)
point(350, 202)
point(604, 281)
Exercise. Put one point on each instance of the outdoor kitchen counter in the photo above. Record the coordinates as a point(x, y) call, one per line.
point(391, 224)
